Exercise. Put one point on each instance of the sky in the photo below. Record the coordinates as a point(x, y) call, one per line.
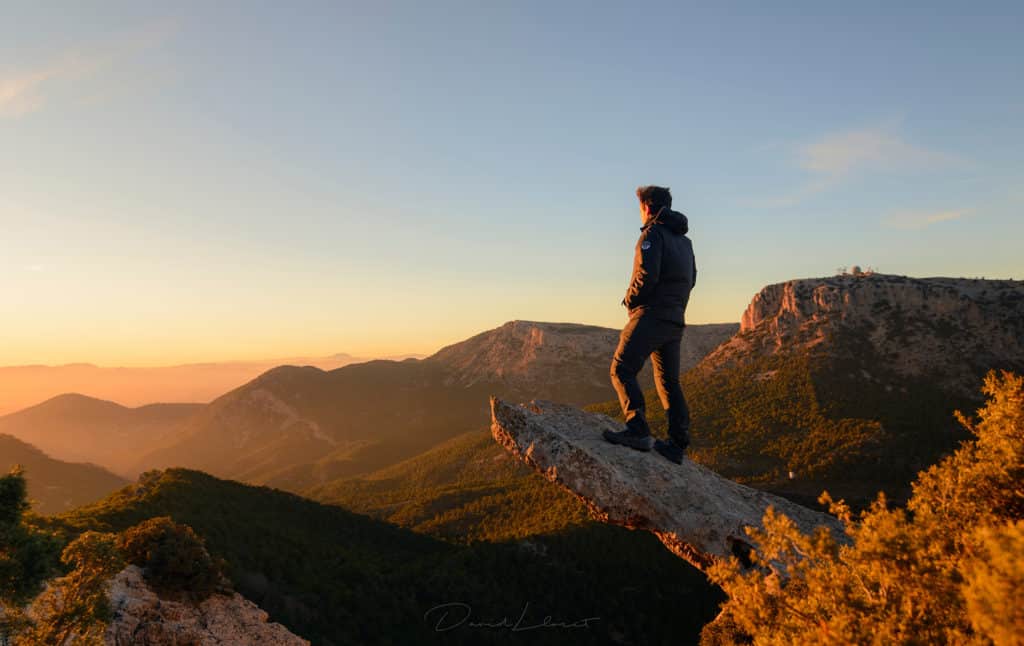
point(197, 181)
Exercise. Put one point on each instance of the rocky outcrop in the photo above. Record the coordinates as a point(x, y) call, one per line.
point(952, 330)
point(697, 514)
point(859, 296)
point(141, 618)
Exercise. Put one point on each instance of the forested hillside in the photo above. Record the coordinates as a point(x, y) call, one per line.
point(336, 577)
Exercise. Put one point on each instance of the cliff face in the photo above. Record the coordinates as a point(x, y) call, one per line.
point(948, 329)
point(141, 618)
point(856, 297)
point(699, 515)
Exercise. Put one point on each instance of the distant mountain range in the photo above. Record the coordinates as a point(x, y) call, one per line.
point(22, 386)
point(55, 486)
point(77, 428)
point(297, 427)
point(846, 381)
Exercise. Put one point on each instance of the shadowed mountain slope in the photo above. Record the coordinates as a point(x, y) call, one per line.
point(53, 485)
point(464, 489)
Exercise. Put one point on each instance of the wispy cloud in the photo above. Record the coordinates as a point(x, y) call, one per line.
point(845, 153)
point(28, 90)
point(836, 157)
point(24, 92)
point(921, 219)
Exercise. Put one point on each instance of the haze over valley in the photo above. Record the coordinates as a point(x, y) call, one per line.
point(23, 386)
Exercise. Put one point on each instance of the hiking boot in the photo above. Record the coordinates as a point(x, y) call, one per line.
point(630, 438)
point(672, 451)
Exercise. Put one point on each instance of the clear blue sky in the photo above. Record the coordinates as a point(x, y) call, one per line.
point(185, 182)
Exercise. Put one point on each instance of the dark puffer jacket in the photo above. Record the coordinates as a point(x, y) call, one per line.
point(664, 269)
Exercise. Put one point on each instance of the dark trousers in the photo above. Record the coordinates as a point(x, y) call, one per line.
point(648, 336)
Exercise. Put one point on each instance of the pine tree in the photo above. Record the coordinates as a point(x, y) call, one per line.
point(27, 556)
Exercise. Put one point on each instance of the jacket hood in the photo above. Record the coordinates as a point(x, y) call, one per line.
point(674, 220)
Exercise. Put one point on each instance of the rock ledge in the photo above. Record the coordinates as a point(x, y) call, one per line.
point(699, 515)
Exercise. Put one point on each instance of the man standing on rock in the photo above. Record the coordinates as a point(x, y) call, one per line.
point(664, 272)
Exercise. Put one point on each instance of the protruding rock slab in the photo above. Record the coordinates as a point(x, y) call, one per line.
point(695, 512)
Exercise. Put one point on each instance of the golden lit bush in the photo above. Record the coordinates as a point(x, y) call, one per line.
point(995, 583)
point(945, 570)
point(76, 604)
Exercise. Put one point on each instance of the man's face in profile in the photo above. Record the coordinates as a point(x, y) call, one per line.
point(645, 213)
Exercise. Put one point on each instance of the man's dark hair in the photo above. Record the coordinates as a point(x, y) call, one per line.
point(655, 197)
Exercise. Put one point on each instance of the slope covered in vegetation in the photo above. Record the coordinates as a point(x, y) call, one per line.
point(462, 490)
point(337, 577)
point(944, 570)
point(54, 485)
point(826, 419)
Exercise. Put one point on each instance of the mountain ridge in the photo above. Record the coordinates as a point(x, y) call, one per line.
point(953, 329)
point(26, 385)
point(55, 485)
point(79, 428)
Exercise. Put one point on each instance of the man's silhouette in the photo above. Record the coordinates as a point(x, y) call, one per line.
point(664, 272)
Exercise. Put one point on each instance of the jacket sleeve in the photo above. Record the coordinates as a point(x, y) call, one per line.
point(694, 284)
point(646, 268)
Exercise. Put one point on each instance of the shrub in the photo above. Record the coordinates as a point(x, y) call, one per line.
point(946, 570)
point(173, 557)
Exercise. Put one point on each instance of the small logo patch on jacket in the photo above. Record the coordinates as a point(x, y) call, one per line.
point(645, 245)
